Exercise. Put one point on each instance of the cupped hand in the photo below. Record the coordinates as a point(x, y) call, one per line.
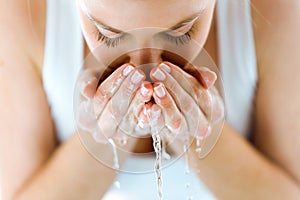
point(119, 107)
point(177, 103)
point(191, 105)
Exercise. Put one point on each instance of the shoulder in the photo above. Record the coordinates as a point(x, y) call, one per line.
point(276, 26)
point(22, 28)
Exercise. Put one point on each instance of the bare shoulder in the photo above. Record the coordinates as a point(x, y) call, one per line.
point(27, 135)
point(23, 27)
point(276, 26)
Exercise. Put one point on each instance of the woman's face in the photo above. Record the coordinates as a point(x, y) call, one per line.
point(110, 23)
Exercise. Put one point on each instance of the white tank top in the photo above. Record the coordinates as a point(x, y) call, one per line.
point(64, 56)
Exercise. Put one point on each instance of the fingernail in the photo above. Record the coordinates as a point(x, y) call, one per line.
point(165, 67)
point(127, 70)
point(144, 91)
point(160, 91)
point(159, 75)
point(137, 77)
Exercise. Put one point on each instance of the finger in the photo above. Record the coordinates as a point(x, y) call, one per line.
point(218, 107)
point(201, 96)
point(122, 99)
point(135, 126)
point(173, 118)
point(117, 107)
point(87, 83)
point(88, 87)
point(137, 106)
point(157, 120)
point(146, 91)
point(209, 77)
point(99, 137)
point(151, 120)
point(85, 118)
point(112, 83)
point(173, 80)
point(143, 127)
point(203, 75)
point(185, 102)
point(109, 86)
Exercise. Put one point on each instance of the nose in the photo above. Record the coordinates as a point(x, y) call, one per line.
point(145, 56)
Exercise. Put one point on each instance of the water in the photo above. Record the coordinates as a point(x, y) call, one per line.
point(114, 149)
point(117, 185)
point(186, 156)
point(187, 171)
point(157, 167)
point(198, 145)
point(190, 197)
point(123, 141)
point(165, 154)
point(187, 185)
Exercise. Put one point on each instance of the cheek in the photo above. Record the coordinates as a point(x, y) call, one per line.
point(202, 26)
point(88, 30)
point(90, 35)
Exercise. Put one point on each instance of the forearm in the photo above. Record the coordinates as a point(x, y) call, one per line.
point(71, 173)
point(235, 170)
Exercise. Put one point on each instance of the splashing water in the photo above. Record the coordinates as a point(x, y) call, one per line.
point(186, 156)
point(157, 145)
point(114, 149)
point(198, 145)
point(158, 150)
point(117, 185)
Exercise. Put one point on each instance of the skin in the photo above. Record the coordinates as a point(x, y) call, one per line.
point(34, 164)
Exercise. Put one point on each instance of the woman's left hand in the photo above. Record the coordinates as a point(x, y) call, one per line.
point(190, 104)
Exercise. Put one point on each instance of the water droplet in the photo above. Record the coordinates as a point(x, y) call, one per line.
point(157, 145)
point(198, 141)
point(186, 157)
point(198, 150)
point(187, 185)
point(114, 149)
point(187, 171)
point(189, 197)
point(198, 145)
point(165, 155)
point(123, 141)
point(117, 184)
point(158, 150)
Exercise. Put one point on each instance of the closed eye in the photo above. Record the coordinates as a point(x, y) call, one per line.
point(110, 42)
point(168, 35)
point(178, 39)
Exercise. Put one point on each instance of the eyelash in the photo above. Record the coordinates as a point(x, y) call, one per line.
point(114, 42)
point(109, 42)
point(182, 40)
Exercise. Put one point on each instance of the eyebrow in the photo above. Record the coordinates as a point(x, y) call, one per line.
point(117, 31)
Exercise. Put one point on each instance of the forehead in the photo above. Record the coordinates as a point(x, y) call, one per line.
point(131, 14)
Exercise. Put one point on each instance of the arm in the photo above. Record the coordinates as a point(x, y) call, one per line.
point(235, 169)
point(31, 166)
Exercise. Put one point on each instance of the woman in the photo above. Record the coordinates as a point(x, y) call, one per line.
point(37, 166)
